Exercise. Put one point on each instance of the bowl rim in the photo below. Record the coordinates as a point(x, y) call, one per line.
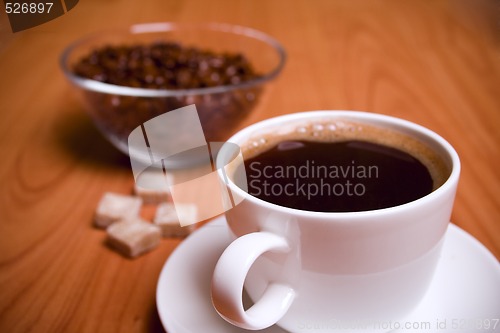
point(144, 28)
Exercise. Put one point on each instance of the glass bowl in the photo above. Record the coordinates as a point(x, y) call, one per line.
point(118, 109)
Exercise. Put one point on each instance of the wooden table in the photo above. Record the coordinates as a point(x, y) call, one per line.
point(432, 62)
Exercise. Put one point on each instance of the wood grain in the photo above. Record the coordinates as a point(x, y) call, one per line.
point(431, 62)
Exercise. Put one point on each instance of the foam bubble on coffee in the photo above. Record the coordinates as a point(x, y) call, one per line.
point(338, 130)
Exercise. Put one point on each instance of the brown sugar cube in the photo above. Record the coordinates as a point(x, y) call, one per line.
point(167, 219)
point(114, 207)
point(133, 237)
point(152, 187)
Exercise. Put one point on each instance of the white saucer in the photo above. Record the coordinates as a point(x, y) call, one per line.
point(466, 287)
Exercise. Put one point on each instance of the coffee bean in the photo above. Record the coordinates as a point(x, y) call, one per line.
point(168, 65)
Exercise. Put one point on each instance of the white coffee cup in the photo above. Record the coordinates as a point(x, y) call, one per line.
point(308, 271)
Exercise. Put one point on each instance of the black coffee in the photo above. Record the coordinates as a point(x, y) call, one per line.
point(345, 172)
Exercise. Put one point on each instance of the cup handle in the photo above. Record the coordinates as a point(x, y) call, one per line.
point(229, 277)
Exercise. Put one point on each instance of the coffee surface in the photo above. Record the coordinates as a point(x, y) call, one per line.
point(343, 176)
point(340, 167)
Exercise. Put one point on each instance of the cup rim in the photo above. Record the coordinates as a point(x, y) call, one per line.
point(448, 185)
point(145, 28)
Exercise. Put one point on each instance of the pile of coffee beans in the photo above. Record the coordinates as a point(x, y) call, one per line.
point(168, 65)
point(164, 65)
